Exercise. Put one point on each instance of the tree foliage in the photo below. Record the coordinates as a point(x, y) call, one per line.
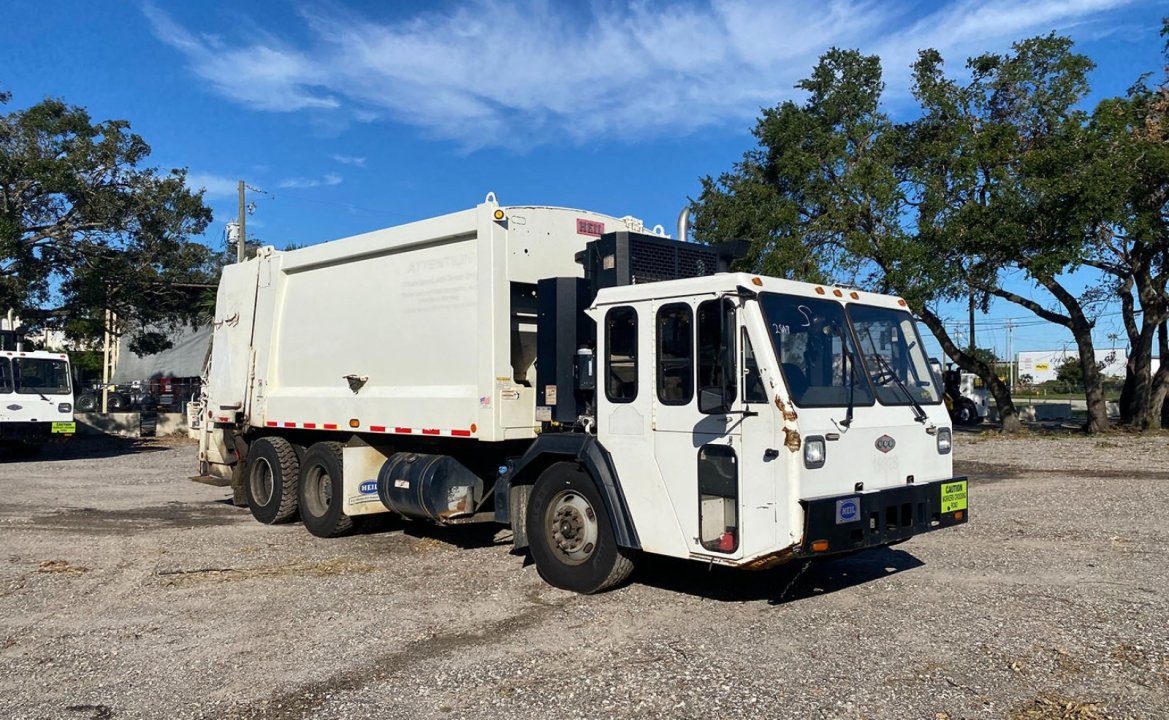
point(1001, 188)
point(86, 228)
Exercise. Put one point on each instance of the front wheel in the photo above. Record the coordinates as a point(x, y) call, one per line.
point(571, 535)
point(321, 492)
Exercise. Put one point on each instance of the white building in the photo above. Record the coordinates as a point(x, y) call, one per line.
point(1043, 365)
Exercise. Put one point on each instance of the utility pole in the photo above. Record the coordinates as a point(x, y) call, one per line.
point(1010, 357)
point(241, 245)
point(972, 346)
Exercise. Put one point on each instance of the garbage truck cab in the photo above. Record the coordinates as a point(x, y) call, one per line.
point(775, 419)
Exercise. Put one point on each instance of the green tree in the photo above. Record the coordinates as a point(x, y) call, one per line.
point(827, 196)
point(1070, 373)
point(1005, 166)
point(1135, 257)
point(85, 228)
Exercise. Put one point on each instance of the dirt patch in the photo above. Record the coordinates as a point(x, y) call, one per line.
point(338, 566)
point(1051, 706)
point(60, 566)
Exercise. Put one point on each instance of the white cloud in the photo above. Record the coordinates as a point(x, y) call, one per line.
point(214, 186)
point(348, 160)
point(494, 72)
point(300, 183)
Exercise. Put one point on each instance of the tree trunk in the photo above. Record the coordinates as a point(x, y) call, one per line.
point(1093, 390)
point(998, 389)
point(1138, 384)
point(1159, 402)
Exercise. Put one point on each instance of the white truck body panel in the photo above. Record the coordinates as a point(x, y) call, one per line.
point(417, 317)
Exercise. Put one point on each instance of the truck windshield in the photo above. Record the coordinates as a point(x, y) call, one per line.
point(893, 356)
point(41, 376)
point(817, 353)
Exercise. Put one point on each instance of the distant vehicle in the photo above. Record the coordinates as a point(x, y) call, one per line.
point(164, 395)
point(966, 399)
point(36, 397)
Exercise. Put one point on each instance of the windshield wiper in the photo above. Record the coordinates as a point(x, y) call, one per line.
point(919, 413)
point(848, 366)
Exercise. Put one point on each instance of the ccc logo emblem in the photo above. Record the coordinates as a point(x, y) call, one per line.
point(885, 443)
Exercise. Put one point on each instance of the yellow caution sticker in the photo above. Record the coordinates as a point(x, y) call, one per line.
point(64, 427)
point(953, 496)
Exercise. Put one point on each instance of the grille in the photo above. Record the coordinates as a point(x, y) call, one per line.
point(626, 258)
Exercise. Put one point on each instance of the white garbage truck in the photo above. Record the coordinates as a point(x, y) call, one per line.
point(36, 395)
point(600, 389)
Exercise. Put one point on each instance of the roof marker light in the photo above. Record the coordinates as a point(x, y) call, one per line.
point(854, 296)
point(757, 281)
point(819, 291)
point(837, 293)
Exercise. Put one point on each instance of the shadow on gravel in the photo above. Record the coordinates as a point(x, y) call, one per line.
point(778, 586)
point(83, 447)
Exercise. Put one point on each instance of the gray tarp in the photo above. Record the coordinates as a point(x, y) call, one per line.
point(185, 359)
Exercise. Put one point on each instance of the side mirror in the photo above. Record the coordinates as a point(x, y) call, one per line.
point(712, 400)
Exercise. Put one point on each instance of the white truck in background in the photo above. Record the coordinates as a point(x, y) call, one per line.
point(36, 394)
point(602, 391)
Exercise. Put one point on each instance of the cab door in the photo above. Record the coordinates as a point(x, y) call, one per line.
point(711, 435)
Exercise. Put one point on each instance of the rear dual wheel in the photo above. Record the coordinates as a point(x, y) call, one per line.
point(271, 478)
point(321, 492)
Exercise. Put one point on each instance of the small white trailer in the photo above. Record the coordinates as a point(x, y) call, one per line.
point(601, 390)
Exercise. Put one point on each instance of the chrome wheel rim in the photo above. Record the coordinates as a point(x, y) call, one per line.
point(572, 526)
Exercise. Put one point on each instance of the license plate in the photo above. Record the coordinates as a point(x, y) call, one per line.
point(953, 496)
point(64, 427)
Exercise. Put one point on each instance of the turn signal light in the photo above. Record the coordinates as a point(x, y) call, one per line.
point(354, 423)
point(958, 515)
point(819, 545)
point(499, 214)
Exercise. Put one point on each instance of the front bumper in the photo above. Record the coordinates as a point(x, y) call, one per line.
point(845, 523)
point(35, 432)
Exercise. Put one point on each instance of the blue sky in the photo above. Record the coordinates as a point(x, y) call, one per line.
point(355, 116)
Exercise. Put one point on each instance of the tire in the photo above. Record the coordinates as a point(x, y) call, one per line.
point(321, 491)
point(116, 402)
point(967, 413)
point(270, 480)
point(570, 535)
point(86, 403)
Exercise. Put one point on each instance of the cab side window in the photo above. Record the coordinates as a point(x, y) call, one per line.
point(753, 390)
point(675, 347)
point(716, 345)
point(621, 354)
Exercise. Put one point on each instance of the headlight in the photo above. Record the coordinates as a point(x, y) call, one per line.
point(814, 452)
point(65, 407)
point(945, 441)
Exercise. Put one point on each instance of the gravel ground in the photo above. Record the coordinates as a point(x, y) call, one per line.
point(127, 591)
